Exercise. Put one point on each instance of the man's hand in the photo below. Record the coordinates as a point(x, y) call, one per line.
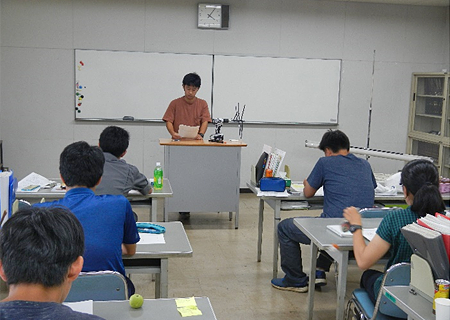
point(198, 137)
point(176, 136)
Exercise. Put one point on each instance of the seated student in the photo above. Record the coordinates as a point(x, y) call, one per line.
point(119, 177)
point(420, 180)
point(40, 256)
point(108, 222)
point(346, 180)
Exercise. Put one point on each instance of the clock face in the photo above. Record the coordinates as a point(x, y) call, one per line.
point(210, 16)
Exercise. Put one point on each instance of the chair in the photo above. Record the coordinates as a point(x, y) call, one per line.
point(361, 307)
point(98, 286)
point(376, 212)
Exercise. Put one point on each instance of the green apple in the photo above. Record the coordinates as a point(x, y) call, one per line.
point(136, 301)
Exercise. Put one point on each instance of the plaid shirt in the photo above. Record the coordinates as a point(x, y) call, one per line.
point(389, 231)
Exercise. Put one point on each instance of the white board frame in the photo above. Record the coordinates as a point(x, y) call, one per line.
point(111, 85)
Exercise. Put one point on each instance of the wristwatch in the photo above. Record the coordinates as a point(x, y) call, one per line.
point(354, 227)
point(201, 135)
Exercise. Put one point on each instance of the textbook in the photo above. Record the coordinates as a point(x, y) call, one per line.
point(439, 223)
point(428, 244)
point(368, 233)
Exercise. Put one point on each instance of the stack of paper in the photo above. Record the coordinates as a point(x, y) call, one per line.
point(33, 182)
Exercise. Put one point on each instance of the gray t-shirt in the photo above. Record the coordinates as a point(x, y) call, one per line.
point(119, 177)
point(23, 310)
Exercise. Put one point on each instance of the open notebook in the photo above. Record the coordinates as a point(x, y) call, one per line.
point(368, 233)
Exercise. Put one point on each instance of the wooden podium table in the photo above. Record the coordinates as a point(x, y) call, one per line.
point(205, 176)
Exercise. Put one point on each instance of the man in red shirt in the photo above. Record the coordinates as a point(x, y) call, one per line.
point(188, 110)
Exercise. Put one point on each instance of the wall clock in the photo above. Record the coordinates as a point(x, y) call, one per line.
point(213, 16)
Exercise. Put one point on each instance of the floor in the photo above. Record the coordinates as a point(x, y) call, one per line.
point(224, 268)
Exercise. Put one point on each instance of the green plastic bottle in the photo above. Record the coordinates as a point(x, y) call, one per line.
point(158, 177)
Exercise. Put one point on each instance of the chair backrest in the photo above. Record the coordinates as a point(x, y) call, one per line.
point(363, 308)
point(375, 212)
point(98, 286)
point(397, 275)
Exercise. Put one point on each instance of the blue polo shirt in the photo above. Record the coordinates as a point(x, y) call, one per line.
point(107, 222)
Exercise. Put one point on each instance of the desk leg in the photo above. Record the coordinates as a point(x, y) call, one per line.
point(162, 280)
point(166, 214)
point(236, 218)
point(276, 221)
point(312, 280)
point(260, 229)
point(154, 210)
point(341, 285)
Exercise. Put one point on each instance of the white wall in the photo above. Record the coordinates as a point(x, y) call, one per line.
point(38, 39)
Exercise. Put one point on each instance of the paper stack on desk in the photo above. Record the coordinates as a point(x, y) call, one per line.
point(31, 180)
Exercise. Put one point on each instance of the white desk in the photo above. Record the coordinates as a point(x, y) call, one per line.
point(155, 309)
point(205, 176)
point(414, 305)
point(154, 258)
point(157, 196)
point(323, 239)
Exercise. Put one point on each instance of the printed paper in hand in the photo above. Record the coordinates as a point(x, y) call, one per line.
point(188, 131)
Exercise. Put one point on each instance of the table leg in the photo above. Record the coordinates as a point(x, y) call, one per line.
point(312, 280)
point(342, 285)
point(260, 229)
point(154, 210)
point(162, 284)
point(166, 214)
point(341, 257)
point(236, 218)
point(276, 221)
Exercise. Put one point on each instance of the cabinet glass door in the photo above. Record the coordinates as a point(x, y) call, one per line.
point(429, 105)
point(426, 149)
point(446, 163)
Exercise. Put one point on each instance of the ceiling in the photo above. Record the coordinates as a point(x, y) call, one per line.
point(439, 3)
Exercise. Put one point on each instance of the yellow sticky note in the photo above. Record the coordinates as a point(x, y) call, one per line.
point(189, 311)
point(187, 307)
point(185, 302)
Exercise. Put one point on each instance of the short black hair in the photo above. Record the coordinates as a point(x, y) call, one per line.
point(335, 140)
point(114, 140)
point(192, 79)
point(38, 245)
point(81, 164)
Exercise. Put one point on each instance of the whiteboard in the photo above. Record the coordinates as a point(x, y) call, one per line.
point(277, 90)
point(110, 85)
point(114, 84)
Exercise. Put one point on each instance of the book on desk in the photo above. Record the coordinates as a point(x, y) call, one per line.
point(368, 233)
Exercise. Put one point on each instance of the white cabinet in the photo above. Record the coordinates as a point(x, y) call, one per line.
point(429, 119)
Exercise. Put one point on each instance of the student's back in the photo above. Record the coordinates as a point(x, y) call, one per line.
point(119, 177)
point(107, 220)
point(23, 310)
